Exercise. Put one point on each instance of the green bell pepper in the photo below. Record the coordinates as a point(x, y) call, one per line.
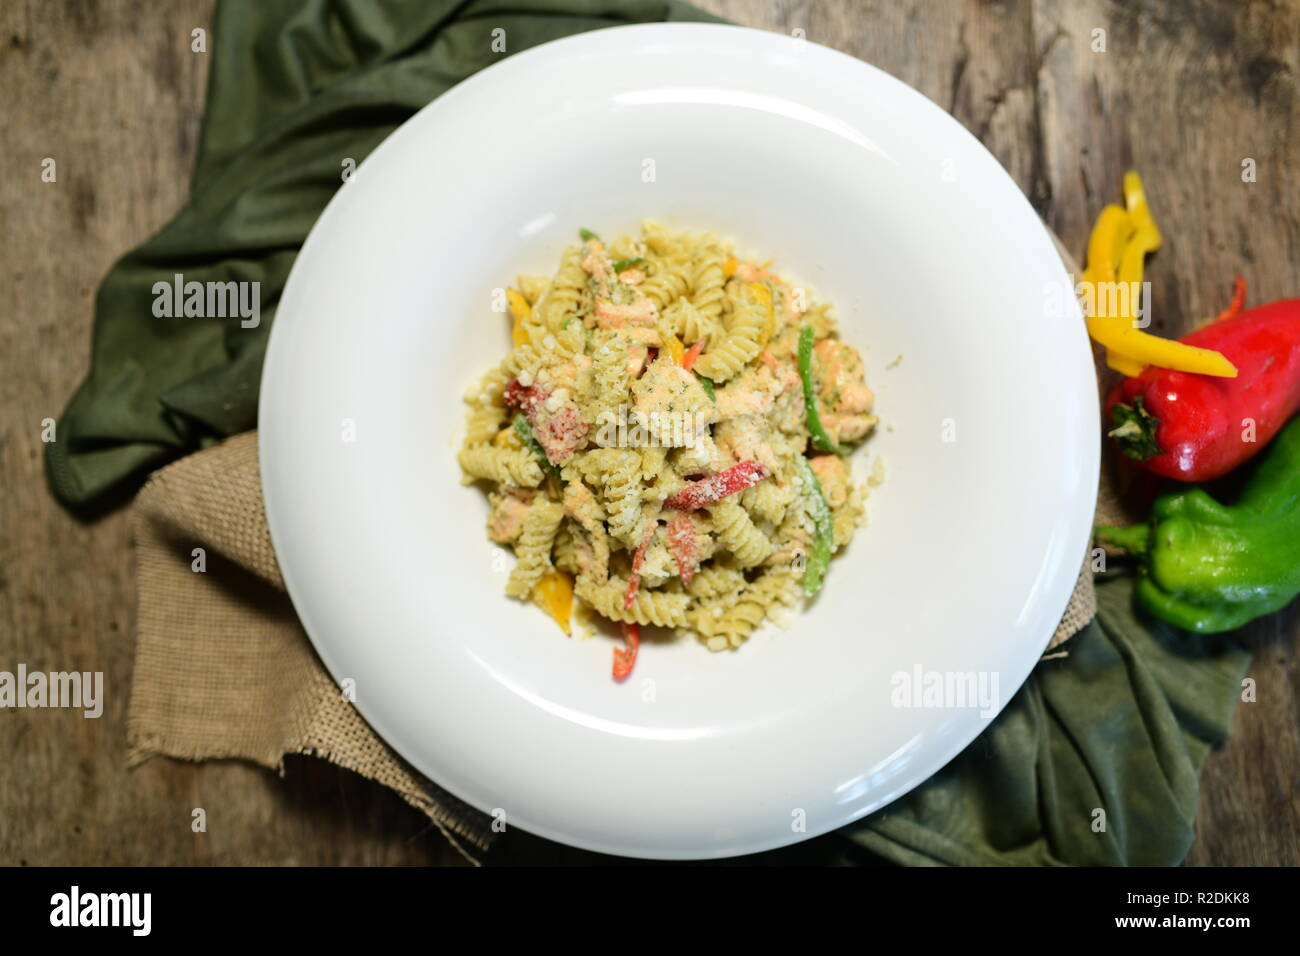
point(821, 440)
point(823, 543)
point(1209, 567)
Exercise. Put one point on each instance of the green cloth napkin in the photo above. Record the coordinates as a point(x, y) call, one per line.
point(294, 89)
point(1123, 724)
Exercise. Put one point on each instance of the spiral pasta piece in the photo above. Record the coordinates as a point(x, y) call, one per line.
point(662, 608)
point(533, 549)
point(622, 491)
point(728, 626)
point(716, 582)
point(689, 323)
point(564, 297)
point(505, 466)
point(737, 533)
point(739, 345)
point(483, 423)
point(669, 282)
point(564, 552)
point(707, 297)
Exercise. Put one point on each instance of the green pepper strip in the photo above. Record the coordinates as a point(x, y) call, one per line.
point(824, 539)
point(586, 235)
point(525, 433)
point(820, 439)
point(708, 387)
point(624, 264)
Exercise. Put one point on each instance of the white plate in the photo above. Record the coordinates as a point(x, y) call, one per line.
point(865, 191)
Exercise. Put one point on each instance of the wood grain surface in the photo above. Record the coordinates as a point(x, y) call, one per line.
point(1186, 92)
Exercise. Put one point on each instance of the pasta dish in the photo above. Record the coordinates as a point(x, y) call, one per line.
point(667, 442)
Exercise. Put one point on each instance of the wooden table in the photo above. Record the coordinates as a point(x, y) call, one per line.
point(1186, 92)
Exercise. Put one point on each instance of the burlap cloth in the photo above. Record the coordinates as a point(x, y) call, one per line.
point(224, 669)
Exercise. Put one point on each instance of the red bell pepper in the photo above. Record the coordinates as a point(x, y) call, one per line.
point(560, 431)
point(638, 558)
point(1199, 427)
point(692, 353)
point(682, 543)
point(624, 658)
point(702, 493)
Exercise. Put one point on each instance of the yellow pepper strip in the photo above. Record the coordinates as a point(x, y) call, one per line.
point(764, 295)
point(1119, 242)
point(1117, 334)
point(519, 310)
point(729, 267)
point(675, 348)
point(554, 595)
point(1102, 253)
point(1112, 232)
point(507, 438)
point(1146, 238)
point(1135, 198)
point(1130, 278)
point(1123, 364)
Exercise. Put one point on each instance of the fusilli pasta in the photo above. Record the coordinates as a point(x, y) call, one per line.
point(646, 443)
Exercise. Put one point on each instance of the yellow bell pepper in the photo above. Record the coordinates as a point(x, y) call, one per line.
point(764, 295)
point(508, 438)
point(519, 310)
point(1135, 198)
point(1117, 248)
point(1115, 360)
point(1123, 364)
point(675, 347)
point(554, 594)
point(1146, 237)
point(1137, 347)
point(1111, 233)
point(729, 267)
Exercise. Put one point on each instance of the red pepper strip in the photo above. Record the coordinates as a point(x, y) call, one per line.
point(625, 658)
point(526, 398)
point(1238, 300)
point(702, 493)
point(1199, 427)
point(682, 543)
point(638, 558)
point(692, 353)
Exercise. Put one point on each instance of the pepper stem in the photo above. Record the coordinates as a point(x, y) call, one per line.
point(1135, 430)
point(1134, 539)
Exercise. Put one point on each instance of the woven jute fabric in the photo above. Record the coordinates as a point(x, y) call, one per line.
point(224, 669)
